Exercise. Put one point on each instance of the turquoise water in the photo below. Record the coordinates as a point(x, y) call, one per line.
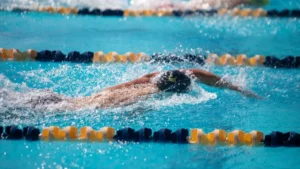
point(211, 109)
point(205, 107)
point(206, 34)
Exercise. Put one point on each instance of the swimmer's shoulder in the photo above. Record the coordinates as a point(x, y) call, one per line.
point(150, 75)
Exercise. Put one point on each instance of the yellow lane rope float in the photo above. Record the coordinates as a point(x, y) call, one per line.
point(71, 133)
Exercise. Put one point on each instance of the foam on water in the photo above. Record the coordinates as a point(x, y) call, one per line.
point(165, 100)
point(24, 95)
point(103, 4)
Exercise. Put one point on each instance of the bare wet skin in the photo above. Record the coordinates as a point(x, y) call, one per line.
point(104, 99)
point(115, 98)
point(46, 100)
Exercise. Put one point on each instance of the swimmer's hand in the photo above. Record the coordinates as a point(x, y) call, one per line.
point(250, 94)
point(211, 79)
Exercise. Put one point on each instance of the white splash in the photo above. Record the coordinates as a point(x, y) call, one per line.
point(163, 100)
point(45, 100)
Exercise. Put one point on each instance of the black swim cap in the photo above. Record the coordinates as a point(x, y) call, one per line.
point(173, 81)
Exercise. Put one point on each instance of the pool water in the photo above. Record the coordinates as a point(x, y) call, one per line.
point(150, 34)
point(205, 107)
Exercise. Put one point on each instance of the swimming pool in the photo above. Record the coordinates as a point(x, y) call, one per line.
point(205, 107)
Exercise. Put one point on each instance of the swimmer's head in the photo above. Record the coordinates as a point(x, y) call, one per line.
point(173, 81)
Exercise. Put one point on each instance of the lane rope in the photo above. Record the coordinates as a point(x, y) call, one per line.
point(165, 135)
point(130, 57)
point(241, 12)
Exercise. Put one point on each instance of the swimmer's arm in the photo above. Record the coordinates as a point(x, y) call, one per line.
point(233, 3)
point(144, 79)
point(211, 79)
point(224, 3)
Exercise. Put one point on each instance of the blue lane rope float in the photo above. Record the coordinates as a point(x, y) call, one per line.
point(165, 135)
point(148, 12)
point(13, 132)
point(143, 135)
point(101, 57)
point(31, 133)
point(162, 135)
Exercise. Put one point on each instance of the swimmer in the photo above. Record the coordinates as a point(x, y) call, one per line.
point(217, 4)
point(175, 81)
point(195, 4)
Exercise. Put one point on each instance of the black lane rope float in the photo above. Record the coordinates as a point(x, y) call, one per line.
point(101, 57)
point(165, 135)
point(247, 12)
